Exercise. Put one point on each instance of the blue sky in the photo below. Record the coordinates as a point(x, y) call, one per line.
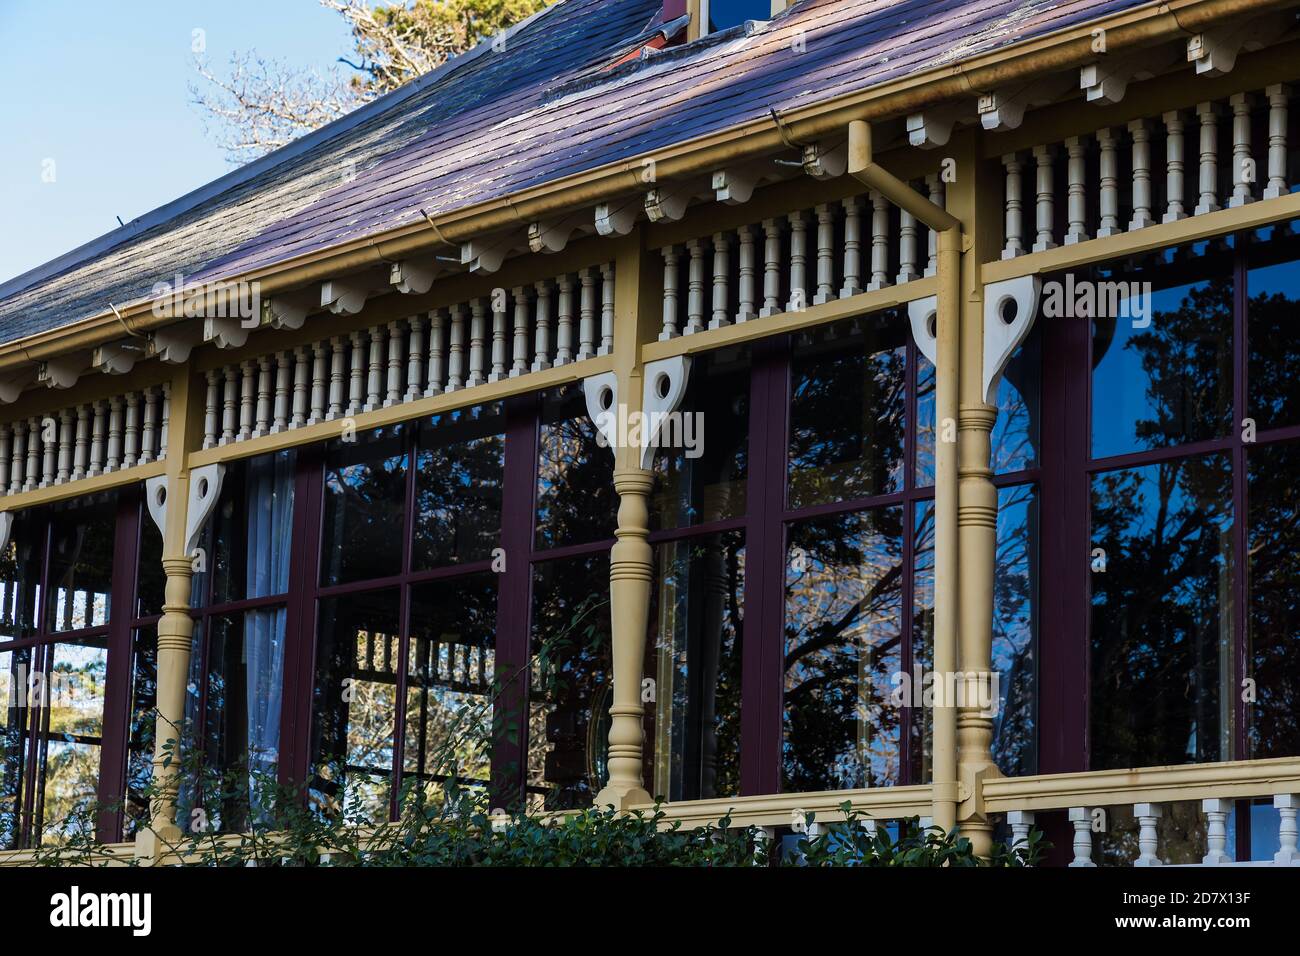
point(102, 90)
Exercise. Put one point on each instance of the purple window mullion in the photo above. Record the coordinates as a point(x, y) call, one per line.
point(300, 618)
point(404, 622)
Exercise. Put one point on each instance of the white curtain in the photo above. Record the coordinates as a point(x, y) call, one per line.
point(270, 528)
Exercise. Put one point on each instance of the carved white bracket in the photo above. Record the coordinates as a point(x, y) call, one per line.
point(617, 218)
point(664, 206)
point(411, 278)
point(287, 311)
point(205, 488)
point(1009, 311)
point(601, 393)
point(552, 235)
point(61, 372)
point(155, 499)
point(662, 392)
point(174, 343)
point(826, 160)
point(6, 529)
point(1107, 82)
point(933, 127)
point(344, 296)
point(734, 186)
point(12, 387)
point(227, 333)
point(115, 359)
point(923, 313)
point(1000, 110)
point(1214, 52)
point(481, 255)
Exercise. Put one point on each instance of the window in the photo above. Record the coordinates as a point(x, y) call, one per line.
point(718, 15)
point(77, 670)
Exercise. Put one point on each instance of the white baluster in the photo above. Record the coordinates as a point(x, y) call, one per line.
point(721, 280)
point(1243, 165)
point(606, 309)
point(149, 434)
point(283, 389)
point(395, 363)
point(852, 247)
point(1277, 95)
point(879, 242)
point(798, 261)
point(747, 288)
point(319, 383)
point(771, 268)
point(825, 254)
point(437, 326)
point(357, 378)
point(587, 313)
point(1077, 195)
point(415, 358)
point(212, 409)
point(265, 393)
point(1216, 831)
point(1108, 184)
point(695, 287)
point(1286, 805)
point(1140, 130)
point(542, 327)
point(99, 420)
point(1174, 179)
point(32, 472)
point(477, 342)
point(113, 457)
point(907, 264)
point(519, 354)
point(81, 449)
point(301, 387)
point(16, 462)
point(166, 420)
point(564, 320)
point(65, 446)
point(338, 377)
point(131, 433)
point(1082, 822)
point(229, 404)
point(6, 450)
point(1021, 822)
point(456, 350)
point(669, 329)
point(1208, 114)
point(1045, 205)
point(247, 399)
point(1148, 837)
point(934, 183)
point(1015, 222)
point(49, 450)
point(500, 317)
point(375, 370)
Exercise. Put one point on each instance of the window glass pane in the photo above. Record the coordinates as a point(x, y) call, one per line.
point(15, 689)
point(1015, 629)
point(251, 532)
point(576, 502)
point(847, 410)
point(450, 672)
point(696, 667)
point(843, 646)
point(919, 718)
point(69, 772)
point(365, 504)
point(1273, 657)
point(568, 726)
point(1273, 320)
point(140, 739)
point(1161, 633)
point(354, 706)
point(1162, 366)
point(702, 477)
point(458, 486)
point(729, 13)
point(151, 579)
point(20, 576)
point(81, 562)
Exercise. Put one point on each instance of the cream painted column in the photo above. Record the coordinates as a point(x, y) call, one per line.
point(972, 199)
point(176, 628)
point(638, 312)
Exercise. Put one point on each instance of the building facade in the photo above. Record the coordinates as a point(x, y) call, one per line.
point(749, 409)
